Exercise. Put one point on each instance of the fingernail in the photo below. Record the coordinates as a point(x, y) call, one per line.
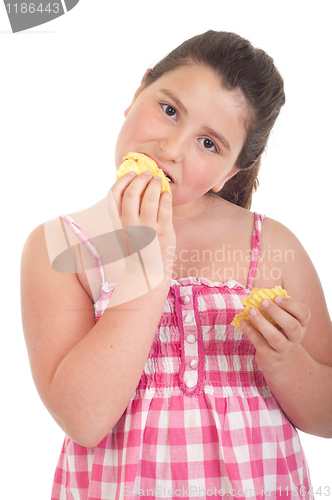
point(265, 303)
point(253, 312)
point(278, 299)
point(157, 177)
point(132, 173)
point(147, 172)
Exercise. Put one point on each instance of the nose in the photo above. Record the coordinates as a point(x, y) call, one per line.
point(172, 145)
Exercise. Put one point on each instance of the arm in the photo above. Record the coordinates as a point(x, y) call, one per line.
point(297, 364)
point(86, 373)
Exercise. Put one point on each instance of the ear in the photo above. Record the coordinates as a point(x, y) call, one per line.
point(137, 93)
point(221, 184)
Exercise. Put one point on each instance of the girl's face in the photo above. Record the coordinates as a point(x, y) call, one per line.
point(191, 126)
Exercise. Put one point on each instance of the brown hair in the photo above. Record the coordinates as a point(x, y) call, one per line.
point(240, 66)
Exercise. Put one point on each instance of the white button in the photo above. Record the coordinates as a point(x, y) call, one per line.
point(185, 299)
point(194, 364)
point(190, 384)
point(188, 318)
point(191, 339)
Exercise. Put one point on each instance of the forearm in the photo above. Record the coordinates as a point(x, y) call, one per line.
point(303, 389)
point(94, 383)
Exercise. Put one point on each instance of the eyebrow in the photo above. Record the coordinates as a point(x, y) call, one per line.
point(221, 138)
point(208, 130)
point(177, 101)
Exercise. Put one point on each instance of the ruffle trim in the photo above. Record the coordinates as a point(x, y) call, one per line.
point(190, 280)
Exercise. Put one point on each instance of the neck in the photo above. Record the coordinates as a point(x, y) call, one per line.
point(183, 214)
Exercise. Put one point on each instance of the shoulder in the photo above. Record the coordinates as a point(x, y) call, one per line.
point(36, 242)
point(46, 242)
point(45, 282)
point(284, 248)
point(276, 231)
point(55, 236)
point(278, 236)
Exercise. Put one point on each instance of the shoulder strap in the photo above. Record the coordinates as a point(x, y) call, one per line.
point(255, 249)
point(87, 242)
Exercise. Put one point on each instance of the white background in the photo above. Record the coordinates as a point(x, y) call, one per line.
point(64, 87)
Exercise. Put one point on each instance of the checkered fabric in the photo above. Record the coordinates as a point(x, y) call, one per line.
point(202, 422)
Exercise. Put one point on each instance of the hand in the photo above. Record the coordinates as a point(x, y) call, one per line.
point(275, 348)
point(153, 211)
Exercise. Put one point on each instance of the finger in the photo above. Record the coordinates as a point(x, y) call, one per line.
point(293, 323)
point(165, 210)
point(131, 199)
point(275, 338)
point(298, 310)
point(150, 202)
point(115, 194)
point(259, 341)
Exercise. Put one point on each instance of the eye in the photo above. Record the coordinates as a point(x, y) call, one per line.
point(169, 110)
point(208, 144)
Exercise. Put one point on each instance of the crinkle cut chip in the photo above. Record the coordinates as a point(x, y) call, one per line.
point(138, 162)
point(255, 299)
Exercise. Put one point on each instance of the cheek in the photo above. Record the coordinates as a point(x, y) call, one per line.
point(139, 126)
point(137, 129)
point(201, 173)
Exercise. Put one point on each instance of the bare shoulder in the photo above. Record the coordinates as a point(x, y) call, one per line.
point(275, 233)
point(47, 242)
point(282, 246)
point(41, 284)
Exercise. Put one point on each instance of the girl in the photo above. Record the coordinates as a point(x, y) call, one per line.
point(158, 395)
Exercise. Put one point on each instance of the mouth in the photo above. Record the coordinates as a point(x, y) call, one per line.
point(170, 180)
point(168, 177)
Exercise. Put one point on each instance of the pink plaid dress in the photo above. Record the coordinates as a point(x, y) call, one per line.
point(202, 422)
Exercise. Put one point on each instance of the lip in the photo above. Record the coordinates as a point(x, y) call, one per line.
point(161, 166)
